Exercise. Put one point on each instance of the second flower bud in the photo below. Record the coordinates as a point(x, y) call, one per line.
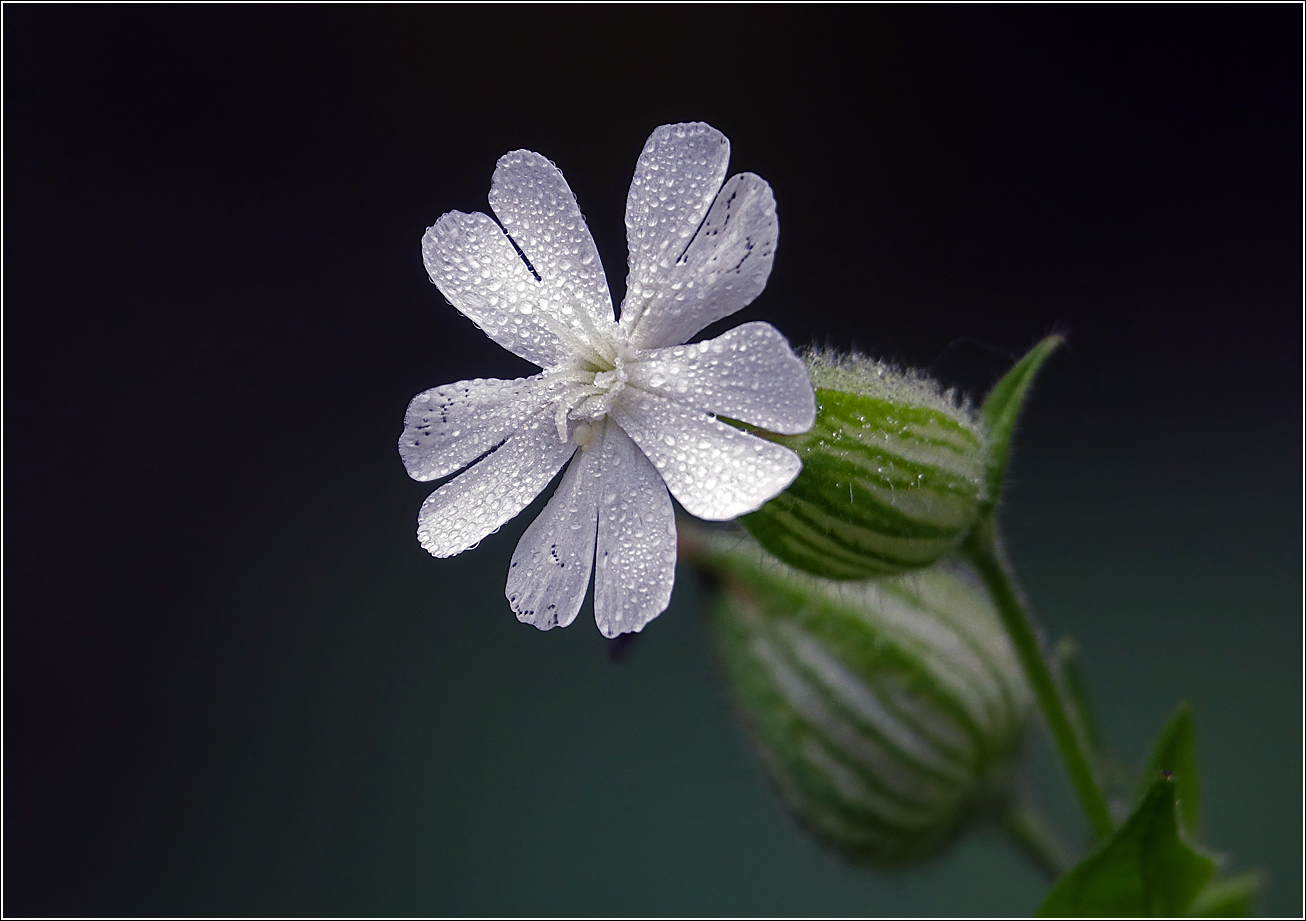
point(893, 474)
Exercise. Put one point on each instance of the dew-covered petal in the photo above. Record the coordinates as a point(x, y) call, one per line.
point(448, 427)
point(750, 374)
point(460, 513)
point(676, 177)
point(539, 211)
point(635, 565)
point(722, 270)
point(550, 569)
point(717, 472)
point(474, 265)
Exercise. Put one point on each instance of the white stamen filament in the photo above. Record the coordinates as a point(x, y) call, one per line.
point(567, 403)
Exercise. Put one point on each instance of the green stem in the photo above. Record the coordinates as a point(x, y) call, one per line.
point(1034, 837)
point(984, 553)
point(1066, 658)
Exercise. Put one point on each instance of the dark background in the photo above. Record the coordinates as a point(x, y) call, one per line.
point(233, 681)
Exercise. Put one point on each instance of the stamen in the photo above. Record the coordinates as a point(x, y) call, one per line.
point(560, 420)
point(565, 406)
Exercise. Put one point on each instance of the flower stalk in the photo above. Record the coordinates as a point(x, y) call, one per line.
point(984, 552)
point(1030, 832)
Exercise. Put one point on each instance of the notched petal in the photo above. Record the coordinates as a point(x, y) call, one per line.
point(635, 565)
point(474, 264)
point(750, 374)
point(550, 570)
point(458, 515)
point(717, 472)
point(448, 427)
point(539, 211)
point(720, 271)
point(676, 178)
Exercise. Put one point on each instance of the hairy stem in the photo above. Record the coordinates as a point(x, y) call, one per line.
point(982, 549)
point(1033, 836)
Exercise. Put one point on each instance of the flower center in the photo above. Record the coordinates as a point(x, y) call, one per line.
point(612, 381)
point(589, 390)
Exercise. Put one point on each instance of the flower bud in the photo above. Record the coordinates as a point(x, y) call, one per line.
point(893, 474)
point(886, 713)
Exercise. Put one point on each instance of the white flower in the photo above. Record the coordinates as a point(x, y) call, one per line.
point(627, 403)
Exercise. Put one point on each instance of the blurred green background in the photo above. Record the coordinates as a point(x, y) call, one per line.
point(235, 684)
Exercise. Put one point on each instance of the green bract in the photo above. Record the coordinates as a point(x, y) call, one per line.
point(893, 474)
point(885, 712)
point(1144, 870)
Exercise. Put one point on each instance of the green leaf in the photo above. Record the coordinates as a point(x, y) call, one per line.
point(1143, 870)
point(1002, 408)
point(1173, 756)
point(1231, 897)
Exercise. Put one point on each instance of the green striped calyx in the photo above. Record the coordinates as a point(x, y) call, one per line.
point(887, 713)
point(894, 474)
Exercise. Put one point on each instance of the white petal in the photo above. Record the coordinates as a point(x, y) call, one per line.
point(540, 213)
point(721, 271)
point(448, 427)
point(750, 374)
point(717, 472)
point(472, 262)
point(635, 564)
point(460, 513)
point(677, 176)
point(550, 569)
